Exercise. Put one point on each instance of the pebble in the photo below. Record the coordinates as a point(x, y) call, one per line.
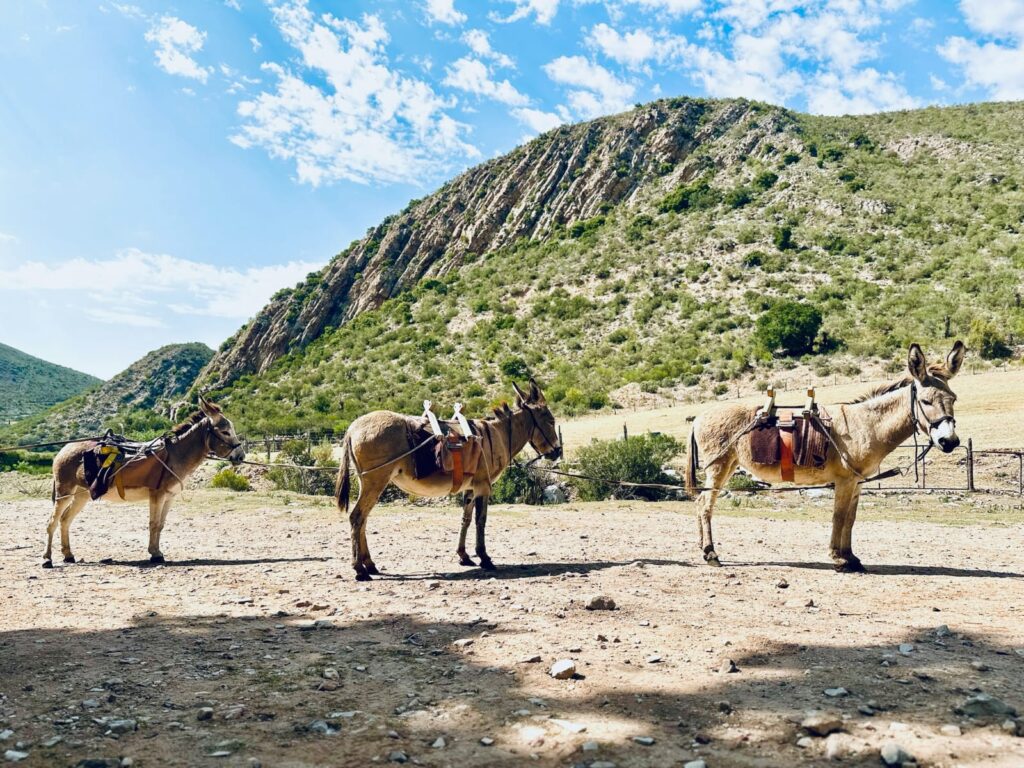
point(819, 723)
point(1011, 727)
point(205, 713)
point(487, 741)
point(439, 743)
point(90, 704)
point(905, 649)
point(221, 753)
point(782, 584)
point(535, 659)
point(646, 741)
point(590, 746)
point(834, 747)
point(122, 726)
point(942, 631)
point(893, 754)
point(600, 603)
point(14, 756)
point(463, 643)
point(654, 659)
point(563, 669)
point(950, 730)
point(695, 764)
point(398, 756)
point(322, 727)
point(836, 693)
point(724, 706)
point(6, 734)
point(979, 666)
point(330, 673)
point(804, 742)
point(602, 764)
point(984, 706)
point(729, 666)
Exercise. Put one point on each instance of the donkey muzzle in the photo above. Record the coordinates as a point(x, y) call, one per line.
point(237, 455)
point(554, 455)
point(944, 436)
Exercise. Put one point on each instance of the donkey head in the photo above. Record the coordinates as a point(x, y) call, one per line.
point(221, 439)
point(933, 405)
point(543, 432)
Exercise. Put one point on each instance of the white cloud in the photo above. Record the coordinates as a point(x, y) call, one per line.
point(167, 283)
point(255, 43)
point(175, 42)
point(6, 238)
point(670, 7)
point(128, 11)
point(537, 120)
point(472, 75)
point(444, 12)
point(480, 44)
point(997, 65)
point(859, 92)
point(543, 10)
point(123, 316)
point(598, 92)
point(637, 48)
point(233, 5)
point(360, 119)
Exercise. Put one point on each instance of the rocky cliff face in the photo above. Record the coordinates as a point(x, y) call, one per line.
point(568, 175)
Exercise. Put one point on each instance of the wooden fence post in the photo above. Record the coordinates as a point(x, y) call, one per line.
point(970, 464)
point(625, 432)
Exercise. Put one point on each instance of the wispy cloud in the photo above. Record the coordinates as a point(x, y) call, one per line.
point(994, 63)
point(175, 42)
point(7, 238)
point(133, 278)
point(594, 90)
point(444, 12)
point(473, 76)
point(356, 117)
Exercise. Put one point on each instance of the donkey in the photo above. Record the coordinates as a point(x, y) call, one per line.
point(865, 430)
point(158, 479)
point(377, 446)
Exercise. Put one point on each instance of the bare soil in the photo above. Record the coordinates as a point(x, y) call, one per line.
point(229, 624)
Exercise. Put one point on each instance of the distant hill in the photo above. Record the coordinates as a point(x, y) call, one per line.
point(136, 400)
point(29, 385)
point(635, 255)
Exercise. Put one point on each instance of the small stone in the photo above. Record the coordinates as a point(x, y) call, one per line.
point(985, 707)
point(1010, 726)
point(90, 704)
point(646, 741)
point(782, 584)
point(951, 730)
point(942, 631)
point(695, 764)
point(463, 643)
point(905, 649)
point(729, 667)
point(535, 659)
point(819, 723)
point(53, 741)
point(836, 693)
point(439, 743)
point(804, 742)
point(865, 710)
point(330, 673)
point(122, 726)
point(893, 754)
point(205, 713)
point(724, 706)
point(600, 603)
point(563, 669)
point(6, 734)
point(14, 756)
point(221, 753)
point(398, 756)
point(834, 747)
point(487, 741)
point(602, 764)
point(322, 727)
point(979, 666)
point(590, 746)
point(654, 659)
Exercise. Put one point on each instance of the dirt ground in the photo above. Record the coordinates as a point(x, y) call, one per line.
point(253, 644)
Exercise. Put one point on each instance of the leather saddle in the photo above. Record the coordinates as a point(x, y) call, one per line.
point(455, 450)
point(125, 463)
point(791, 437)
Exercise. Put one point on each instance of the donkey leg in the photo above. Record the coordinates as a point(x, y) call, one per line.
point(481, 526)
point(163, 505)
point(467, 515)
point(58, 510)
point(844, 511)
point(716, 477)
point(369, 491)
point(78, 502)
point(368, 564)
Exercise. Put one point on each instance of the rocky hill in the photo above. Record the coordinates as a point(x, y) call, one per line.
point(136, 400)
point(29, 385)
point(636, 253)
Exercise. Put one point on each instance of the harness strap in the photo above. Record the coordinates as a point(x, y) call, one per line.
point(457, 469)
point(786, 444)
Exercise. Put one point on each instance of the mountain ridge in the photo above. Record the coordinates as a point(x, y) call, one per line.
point(29, 384)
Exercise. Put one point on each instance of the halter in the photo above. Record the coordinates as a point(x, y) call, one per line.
point(537, 426)
point(211, 432)
point(916, 410)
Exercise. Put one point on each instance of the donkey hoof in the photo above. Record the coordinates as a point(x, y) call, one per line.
point(156, 559)
point(372, 569)
point(47, 563)
point(850, 566)
point(467, 561)
point(487, 564)
point(69, 559)
point(360, 576)
point(713, 561)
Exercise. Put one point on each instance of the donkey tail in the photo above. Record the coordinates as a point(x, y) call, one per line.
point(692, 462)
point(343, 486)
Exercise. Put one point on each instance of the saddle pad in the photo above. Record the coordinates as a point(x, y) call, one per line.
point(101, 466)
point(807, 441)
point(811, 441)
point(424, 457)
point(764, 444)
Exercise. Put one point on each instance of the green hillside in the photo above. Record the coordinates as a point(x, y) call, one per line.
point(136, 401)
point(29, 385)
point(894, 227)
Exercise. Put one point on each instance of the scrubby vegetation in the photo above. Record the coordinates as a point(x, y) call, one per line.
point(637, 460)
point(29, 385)
point(228, 478)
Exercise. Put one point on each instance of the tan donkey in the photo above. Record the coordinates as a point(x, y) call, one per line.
point(378, 446)
point(157, 479)
point(865, 432)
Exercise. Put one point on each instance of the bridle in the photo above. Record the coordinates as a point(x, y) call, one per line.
point(917, 415)
point(212, 432)
point(535, 426)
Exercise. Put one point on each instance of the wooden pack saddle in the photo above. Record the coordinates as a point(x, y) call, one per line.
point(455, 450)
point(125, 463)
point(791, 436)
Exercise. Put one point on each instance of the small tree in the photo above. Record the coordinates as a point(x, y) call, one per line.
point(788, 325)
point(985, 337)
point(636, 460)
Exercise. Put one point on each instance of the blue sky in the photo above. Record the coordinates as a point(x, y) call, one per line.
point(166, 166)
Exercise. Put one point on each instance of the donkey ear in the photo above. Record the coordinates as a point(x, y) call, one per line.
point(207, 407)
point(506, 411)
point(955, 358)
point(519, 392)
point(916, 363)
point(536, 395)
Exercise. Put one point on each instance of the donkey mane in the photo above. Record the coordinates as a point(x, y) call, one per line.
point(180, 429)
point(936, 370)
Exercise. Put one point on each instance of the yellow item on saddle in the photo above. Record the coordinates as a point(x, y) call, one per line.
point(115, 460)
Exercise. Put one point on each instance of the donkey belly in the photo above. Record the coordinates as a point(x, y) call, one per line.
point(772, 473)
point(433, 486)
point(130, 495)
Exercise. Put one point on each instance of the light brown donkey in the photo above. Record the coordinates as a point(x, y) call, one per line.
point(157, 479)
point(378, 447)
point(865, 431)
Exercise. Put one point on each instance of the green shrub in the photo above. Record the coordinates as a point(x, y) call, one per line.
point(228, 478)
point(790, 326)
point(515, 368)
point(696, 196)
point(517, 486)
point(987, 340)
point(783, 238)
point(637, 460)
point(765, 180)
point(738, 197)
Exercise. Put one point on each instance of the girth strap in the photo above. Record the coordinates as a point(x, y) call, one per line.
point(457, 473)
point(786, 458)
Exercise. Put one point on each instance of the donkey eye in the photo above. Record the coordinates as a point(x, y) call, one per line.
point(925, 402)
